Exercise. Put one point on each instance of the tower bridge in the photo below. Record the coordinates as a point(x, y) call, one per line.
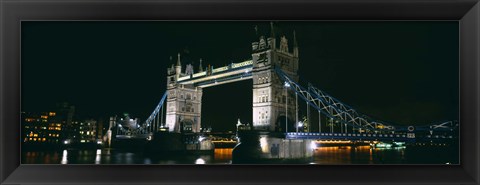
point(273, 69)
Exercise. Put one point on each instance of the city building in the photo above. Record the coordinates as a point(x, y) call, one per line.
point(85, 131)
point(46, 127)
point(52, 127)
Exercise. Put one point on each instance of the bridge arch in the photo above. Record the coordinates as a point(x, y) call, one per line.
point(187, 125)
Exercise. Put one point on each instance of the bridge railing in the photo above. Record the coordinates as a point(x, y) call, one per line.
point(328, 108)
point(147, 126)
point(335, 109)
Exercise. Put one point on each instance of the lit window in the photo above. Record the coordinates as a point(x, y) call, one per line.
point(52, 114)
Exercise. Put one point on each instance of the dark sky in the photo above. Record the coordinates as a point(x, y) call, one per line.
point(401, 72)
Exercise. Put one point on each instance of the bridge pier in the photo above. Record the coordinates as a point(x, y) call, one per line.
point(264, 147)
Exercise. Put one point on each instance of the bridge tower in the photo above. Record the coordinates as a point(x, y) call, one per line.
point(183, 101)
point(269, 93)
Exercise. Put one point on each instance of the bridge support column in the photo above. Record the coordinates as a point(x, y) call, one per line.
point(265, 147)
point(184, 109)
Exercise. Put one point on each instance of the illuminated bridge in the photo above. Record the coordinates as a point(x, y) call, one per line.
point(276, 93)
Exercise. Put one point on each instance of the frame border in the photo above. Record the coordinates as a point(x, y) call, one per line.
point(467, 12)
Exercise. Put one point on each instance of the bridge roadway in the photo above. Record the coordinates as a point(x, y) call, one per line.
point(342, 136)
point(216, 76)
point(367, 137)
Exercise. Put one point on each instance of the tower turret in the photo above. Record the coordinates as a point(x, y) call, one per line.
point(272, 40)
point(295, 45)
point(200, 68)
point(178, 67)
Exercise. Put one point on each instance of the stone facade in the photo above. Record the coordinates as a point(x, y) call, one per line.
point(269, 93)
point(184, 103)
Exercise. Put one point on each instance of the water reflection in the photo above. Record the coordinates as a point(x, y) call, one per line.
point(200, 161)
point(98, 157)
point(64, 157)
point(223, 155)
point(322, 155)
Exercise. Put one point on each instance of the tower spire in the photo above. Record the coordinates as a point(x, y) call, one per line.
point(200, 68)
point(295, 45)
point(294, 39)
point(178, 60)
point(272, 30)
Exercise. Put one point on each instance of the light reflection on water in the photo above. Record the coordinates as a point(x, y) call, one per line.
point(322, 155)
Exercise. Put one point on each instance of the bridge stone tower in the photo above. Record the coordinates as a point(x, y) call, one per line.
point(269, 93)
point(183, 101)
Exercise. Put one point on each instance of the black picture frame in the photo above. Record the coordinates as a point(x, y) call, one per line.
point(467, 12)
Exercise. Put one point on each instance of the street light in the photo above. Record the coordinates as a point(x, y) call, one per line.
point(299, 125)
point(286, 85)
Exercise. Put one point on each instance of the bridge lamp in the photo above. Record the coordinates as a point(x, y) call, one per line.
point(313, 145)
point(299, 124)
point(286, 85)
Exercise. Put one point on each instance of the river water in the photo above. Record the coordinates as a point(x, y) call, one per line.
point(322, 155)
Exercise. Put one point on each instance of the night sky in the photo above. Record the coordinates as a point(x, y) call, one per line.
point(400, 72)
